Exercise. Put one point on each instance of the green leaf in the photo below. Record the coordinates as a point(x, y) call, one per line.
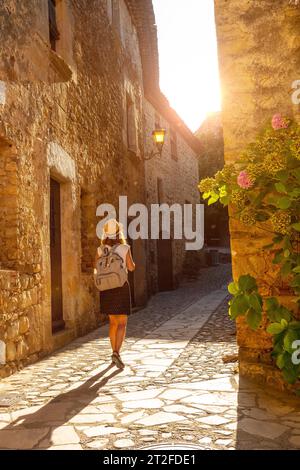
point(213, 200)
point(290, 336)
point(296, 270)
point(274, 316)
point(278, 257)
point(284, 313)
point(283, 175)
point(272, 303)
point(278, 347)
point(296, 281)
point(280, 187)
point(286, 269)
point(259, 198)
point(286, 253)
point(233, 288)
point(206, 195)
point(256, 302)
point(294, 193)
point(296, 226)
point(287, 243)
point(239, 305)
point(272, 200)
point(253, 318)
point(262, 216)
point(232, 315)
point(275, 329)
point(290, 375)
point(223, 191)
point(284, 203)
point(225, 200)
point(273, 310)
point(247, 283)
point(281, 361)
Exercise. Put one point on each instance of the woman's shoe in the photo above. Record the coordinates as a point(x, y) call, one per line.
point(116, 359)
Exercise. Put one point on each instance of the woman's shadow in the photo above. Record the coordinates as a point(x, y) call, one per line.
point(58, 411)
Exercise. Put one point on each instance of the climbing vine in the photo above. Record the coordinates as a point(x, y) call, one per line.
point(263, 188)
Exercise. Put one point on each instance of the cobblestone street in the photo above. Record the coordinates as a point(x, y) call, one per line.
point(175, 387)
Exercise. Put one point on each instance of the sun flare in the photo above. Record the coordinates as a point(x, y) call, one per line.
point(189, 74)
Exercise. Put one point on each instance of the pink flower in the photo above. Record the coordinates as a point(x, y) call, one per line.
point(278, 122)
point(244, 180)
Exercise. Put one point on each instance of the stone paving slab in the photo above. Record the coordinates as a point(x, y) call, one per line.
point(174, 389)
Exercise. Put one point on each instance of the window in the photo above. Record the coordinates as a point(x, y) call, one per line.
point(174, 150)
point(53, 30)
point(131, 125)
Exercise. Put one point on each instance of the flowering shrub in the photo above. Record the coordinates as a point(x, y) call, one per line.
point(263, 188)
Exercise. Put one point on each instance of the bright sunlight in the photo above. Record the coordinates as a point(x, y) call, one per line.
point(189, 74)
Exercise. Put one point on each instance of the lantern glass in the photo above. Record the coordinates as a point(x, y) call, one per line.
point(159, 136)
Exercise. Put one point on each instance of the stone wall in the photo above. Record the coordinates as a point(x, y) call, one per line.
point(20, 319)
point(259, 55)
point(9, 190)
point(179, 180)
point(28, 57)
point(75, 132)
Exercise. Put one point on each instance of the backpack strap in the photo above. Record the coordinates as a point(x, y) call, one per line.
point(113, 250)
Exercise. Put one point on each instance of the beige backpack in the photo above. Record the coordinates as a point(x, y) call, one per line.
point(110, 270)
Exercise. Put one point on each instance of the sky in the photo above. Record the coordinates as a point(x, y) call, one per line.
point(189, 75)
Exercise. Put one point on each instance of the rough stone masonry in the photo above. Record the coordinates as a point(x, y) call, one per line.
point(259, 47)
point(71, 137)
point(73, 131)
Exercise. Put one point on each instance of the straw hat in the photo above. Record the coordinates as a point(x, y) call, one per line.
point(111, 229)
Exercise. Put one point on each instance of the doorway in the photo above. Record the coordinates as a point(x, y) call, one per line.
point(164, 264)
point(55, 257)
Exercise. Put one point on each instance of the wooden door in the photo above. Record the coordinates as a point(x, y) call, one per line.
point(164, 265)
point(55, 255)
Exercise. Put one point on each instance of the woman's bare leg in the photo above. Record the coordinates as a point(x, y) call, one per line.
point(113, 326)
point(120, 332)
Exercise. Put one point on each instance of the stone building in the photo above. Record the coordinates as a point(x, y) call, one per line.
point(259, 56)
point(74, 74)
point(171, 178)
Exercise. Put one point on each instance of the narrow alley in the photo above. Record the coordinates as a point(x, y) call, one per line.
point(175, 388)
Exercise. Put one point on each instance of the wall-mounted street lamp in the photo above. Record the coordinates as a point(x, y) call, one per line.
point(159, 140)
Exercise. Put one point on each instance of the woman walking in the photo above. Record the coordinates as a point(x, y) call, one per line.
point(116, 303)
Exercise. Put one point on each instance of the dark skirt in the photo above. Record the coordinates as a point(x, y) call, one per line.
point(116, 301)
